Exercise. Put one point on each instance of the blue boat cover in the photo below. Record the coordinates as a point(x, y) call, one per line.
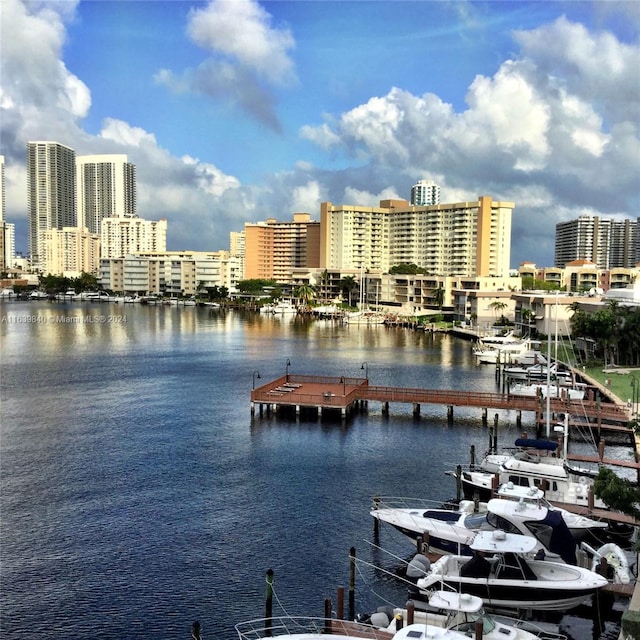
point(546, 445)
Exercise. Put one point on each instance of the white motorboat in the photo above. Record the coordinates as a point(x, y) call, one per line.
point(538, 372)
point(534, 465)
point(526, 352)
point(463, 613)
point(300, 628)
point(453, 532)
point(507, 579)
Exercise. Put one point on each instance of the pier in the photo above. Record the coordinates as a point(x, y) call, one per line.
point(344, 394)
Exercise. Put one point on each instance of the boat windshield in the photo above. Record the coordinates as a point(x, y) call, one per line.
point(469, 623)
point(477, 521)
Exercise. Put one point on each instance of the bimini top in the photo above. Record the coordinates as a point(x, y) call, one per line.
point(529, 443)
point(499, 541)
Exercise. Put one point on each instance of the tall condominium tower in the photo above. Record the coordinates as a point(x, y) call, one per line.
point(51, 181)
point(106, 189)
point(463, 238)
point(604, 242)
point(273, 249)
point(425, 193)
point(2, 209)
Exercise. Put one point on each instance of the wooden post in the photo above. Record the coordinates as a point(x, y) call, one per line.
point(450, 414)
point(352, 583)
point(268, 607)
point(327, 615)
point(340, 604)
point(601, 445)
point(484, 416)
point(472, 453)
point(411, 610)
point(494, 445)
point(479, 630)
point(459, 482)
point(195, 631)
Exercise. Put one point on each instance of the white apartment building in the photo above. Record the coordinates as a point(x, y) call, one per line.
point(121, 237)
point(51, 180)
point(70, 251)
point(237, 244)
point(170, 273)
point(425, 193)
point(106, 188)
point(463, 239)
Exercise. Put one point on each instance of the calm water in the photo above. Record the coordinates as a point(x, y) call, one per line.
point(138, 494)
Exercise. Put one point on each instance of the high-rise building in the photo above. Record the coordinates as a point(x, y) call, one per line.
point(425, 193)
point(605, 242)
point(273, 249)
point(70, 251)
point(51, 179)
point(106, 189)
point(464, 238)
point(2, 187)
point(120, 237)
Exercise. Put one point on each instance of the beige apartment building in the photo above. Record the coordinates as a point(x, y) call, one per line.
point(273, 249)
point(581, 276)
point(124, 236)
point(170, 273)
point(70, 251)
point(464, 238)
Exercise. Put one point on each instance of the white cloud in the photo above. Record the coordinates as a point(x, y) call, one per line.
point(241, 29)
point(306, 198)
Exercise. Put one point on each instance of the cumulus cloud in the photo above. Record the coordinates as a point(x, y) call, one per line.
point(248, 57)
point(242, 30)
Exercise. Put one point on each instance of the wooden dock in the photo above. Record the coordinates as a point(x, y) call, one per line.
point(342, 394)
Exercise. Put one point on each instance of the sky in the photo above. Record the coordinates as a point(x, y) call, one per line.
point(235, 111)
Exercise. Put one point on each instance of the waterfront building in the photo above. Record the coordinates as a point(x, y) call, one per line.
point(170, 273)
point(51, 180)
point(464, 238)
point(70, 251)
point(120, 237)
point(425, 193)
point(580, 276)
point(272, 249)
point(106, 188)
point(237, 249)
point(605, 242)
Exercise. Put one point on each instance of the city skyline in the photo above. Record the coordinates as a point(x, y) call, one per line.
point(234, 112)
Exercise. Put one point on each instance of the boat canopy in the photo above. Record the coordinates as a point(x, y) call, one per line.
point(529, 443)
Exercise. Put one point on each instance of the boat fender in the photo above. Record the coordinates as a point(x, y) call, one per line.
point(582, 480)
point(380, 620)
point(578, 490)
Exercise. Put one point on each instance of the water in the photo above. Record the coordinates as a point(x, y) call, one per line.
point(138, 495)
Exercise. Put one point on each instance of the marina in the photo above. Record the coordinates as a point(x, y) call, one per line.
point(141, 494)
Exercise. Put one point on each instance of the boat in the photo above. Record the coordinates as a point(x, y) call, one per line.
point(570, 391)
point(365, 317)
point(535, 464)
point(526, 352)
point(453, 532)
point(539, 371)
point(463, 613)
point(618, 568)
point(279, 307)
point(36, 294)
point(304, 628)
point(504, 578)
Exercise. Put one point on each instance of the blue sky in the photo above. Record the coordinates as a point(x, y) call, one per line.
point(234, 111)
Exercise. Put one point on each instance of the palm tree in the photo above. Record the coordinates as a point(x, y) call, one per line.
point(306, 293)
point(348, 284)
point(324, 285)
point(498, 305)
point(438, 296)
